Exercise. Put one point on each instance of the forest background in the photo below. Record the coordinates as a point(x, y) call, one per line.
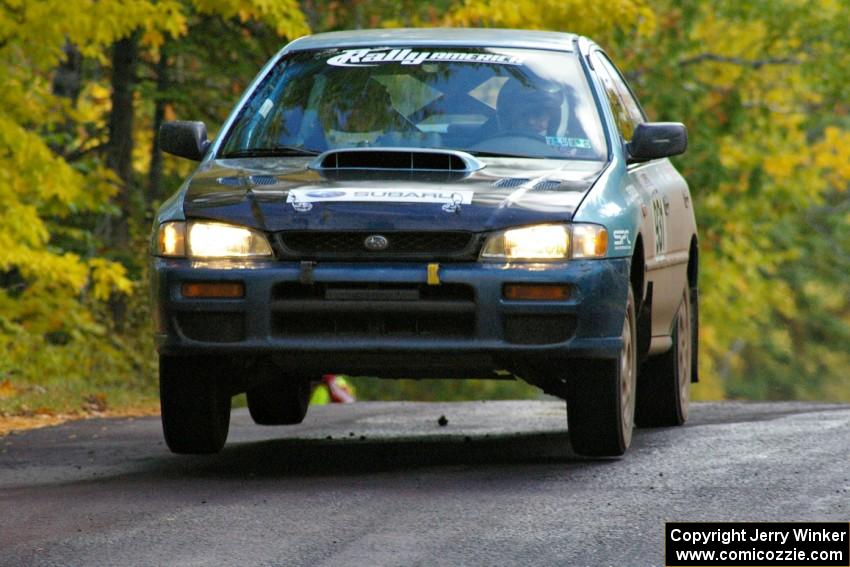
point(762, 86)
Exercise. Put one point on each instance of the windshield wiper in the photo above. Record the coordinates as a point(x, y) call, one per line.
point(501, 154)
point(526, 156)
point(277, 151)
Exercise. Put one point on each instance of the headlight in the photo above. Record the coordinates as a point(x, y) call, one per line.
point(200, 239)
point(547, 242)
point(213, 240)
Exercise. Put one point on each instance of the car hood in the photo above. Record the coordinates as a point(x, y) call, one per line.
point(274, 194)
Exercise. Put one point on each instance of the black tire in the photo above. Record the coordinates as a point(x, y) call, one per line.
point(601, 398)
point(195, 404)
point(282, 401)
point(664, 381)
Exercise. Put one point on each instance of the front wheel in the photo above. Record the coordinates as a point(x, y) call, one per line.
point(282, 401)
point(195, 404)
point(664, 382)
point(601, 397)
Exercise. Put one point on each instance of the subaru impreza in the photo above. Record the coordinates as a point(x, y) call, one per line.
point(429, 204)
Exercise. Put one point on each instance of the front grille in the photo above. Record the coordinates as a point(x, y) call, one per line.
point(373, 310)
point(325, 245)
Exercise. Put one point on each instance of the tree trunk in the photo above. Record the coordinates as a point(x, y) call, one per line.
point(160, 100)
point(67, 83)
point(68, 80)
point(311, 11)
point(119, 153)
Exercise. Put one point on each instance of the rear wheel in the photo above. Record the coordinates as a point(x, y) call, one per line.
point(195, 404)
point(601, 398)
point(664, 382)
point(282, 401)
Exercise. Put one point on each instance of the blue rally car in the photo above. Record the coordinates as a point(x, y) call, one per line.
point(429, 204)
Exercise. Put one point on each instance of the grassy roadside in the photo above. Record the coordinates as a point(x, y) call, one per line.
point(87, 370)
point(11, 423)
point(26, 405)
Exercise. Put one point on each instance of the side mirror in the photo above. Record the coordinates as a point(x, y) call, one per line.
point(184, 139)
point(653, 140)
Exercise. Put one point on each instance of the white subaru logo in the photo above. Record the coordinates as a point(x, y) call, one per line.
point(376, 242)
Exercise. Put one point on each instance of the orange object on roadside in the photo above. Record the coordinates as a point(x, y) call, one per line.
point(339, 390)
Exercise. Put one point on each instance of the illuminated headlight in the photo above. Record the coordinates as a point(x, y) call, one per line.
point(547, 242)
point(199, 239)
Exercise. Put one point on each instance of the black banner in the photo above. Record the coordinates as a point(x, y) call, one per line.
point(758, 544)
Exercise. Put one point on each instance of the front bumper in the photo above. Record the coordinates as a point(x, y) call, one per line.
point(462, 327)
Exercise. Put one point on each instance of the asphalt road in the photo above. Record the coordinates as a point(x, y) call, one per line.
point(383, 484)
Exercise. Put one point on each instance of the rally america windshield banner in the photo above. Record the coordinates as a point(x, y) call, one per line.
point(374, 57)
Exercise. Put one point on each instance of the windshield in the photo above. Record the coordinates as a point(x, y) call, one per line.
point(513, 102)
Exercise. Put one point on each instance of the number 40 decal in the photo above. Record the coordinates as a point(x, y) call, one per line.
point(660, 223)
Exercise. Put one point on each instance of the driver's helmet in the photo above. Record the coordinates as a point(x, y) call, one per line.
point(529, 108)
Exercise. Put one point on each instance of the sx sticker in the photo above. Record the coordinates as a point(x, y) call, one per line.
point(622, 240)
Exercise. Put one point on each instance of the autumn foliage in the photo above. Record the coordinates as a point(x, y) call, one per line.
point(761, 86)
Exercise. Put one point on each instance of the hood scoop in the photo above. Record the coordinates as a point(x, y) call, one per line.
point(396, 160)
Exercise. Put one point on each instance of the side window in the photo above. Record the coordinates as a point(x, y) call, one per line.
point(627, 112)
point(632, 106)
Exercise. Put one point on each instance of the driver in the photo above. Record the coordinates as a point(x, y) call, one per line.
point(529, 109)
point(358, 112)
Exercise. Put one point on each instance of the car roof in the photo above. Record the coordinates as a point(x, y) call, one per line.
point(460, 37)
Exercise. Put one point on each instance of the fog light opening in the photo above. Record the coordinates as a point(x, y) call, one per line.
point(536, 292)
